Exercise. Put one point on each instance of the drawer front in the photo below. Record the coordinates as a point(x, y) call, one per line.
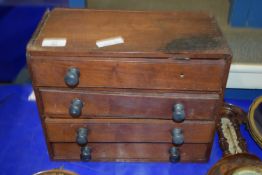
point(101, 104)
point(131, 73)
point(128, 130)
point(131, 152)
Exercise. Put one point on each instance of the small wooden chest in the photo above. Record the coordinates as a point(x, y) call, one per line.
point(154, 97)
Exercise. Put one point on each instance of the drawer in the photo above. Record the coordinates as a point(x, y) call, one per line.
point(105, 104)
point(139, 73)
point(131, 152)
point(128, 130)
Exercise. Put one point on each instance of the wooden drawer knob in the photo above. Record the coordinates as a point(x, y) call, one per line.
point(178, 137)
point(72, 77)
point(174, 155)
point(75, 108)
point(178, 112)
point(85, 154)
point(81, 137)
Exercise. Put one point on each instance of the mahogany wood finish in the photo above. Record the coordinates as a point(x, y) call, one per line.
point(133, 73)
point(169, 73)
point(106, 104)
point(146, 34)
point(131, 151)
point(128, 130)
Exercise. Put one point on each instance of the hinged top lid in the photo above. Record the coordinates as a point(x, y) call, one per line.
point(146, 34)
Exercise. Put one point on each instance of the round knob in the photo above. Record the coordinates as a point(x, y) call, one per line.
point(85, 154)
point(178, 137)
point(75, 109)
point(178, 112)
point(174, 155)
point(72, 77)
point(81, 137)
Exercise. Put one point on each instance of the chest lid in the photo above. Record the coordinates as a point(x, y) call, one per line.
point(75, 32)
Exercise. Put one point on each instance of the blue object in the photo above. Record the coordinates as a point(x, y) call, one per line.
point(239, 10)
point(255, 14)
point(245, 13)
point(77, 3)
point(242, 94)
point(17, 25)
point(23, 149)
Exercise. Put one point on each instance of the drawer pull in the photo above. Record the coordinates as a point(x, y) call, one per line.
point(178, 112)
point(174, 155)
point(72, 77)
point(178, 137)
point(75, 109)
point(81, 137)
point(85, 154)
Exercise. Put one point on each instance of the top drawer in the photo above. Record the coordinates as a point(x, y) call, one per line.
point(139, 73)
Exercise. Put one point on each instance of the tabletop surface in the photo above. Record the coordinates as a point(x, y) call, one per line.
point(146, 33)
point(23, 149)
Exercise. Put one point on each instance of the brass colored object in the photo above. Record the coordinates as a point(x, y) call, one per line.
point(236, 159)
point(56, 172)
point(247, 170)
point(237, 164)
point(255, 120)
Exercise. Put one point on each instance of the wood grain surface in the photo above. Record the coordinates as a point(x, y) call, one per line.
point(145, 33)
point(128, 130)
point(106, 104)
point(129, 89)
point(131, 152)
point(199, 75)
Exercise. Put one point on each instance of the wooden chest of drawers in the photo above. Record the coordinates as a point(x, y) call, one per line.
point(152, 97)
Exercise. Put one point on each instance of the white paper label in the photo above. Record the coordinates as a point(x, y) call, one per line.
point(109, 41)
point(54, 42)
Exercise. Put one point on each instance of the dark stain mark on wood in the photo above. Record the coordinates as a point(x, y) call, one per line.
point(202, 42)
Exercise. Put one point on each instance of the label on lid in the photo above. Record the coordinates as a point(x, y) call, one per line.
point(110, 41)
point(54, 42)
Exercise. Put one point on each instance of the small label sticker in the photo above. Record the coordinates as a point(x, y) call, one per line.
point(110, 41)
point(54, 42)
